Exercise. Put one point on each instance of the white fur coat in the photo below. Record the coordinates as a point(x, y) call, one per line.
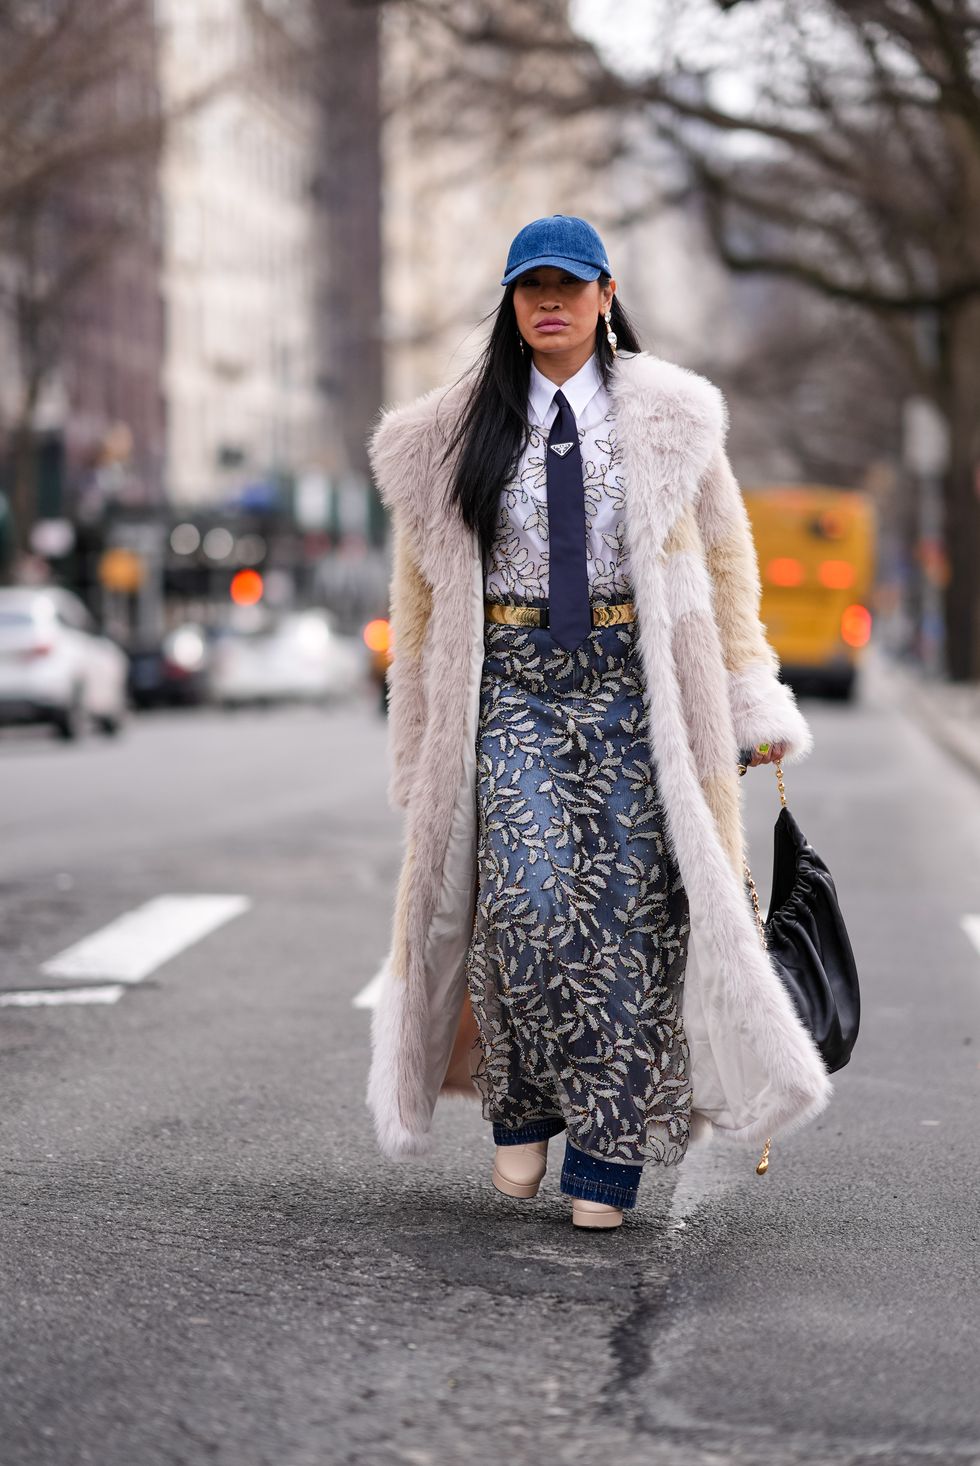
point(713, 688)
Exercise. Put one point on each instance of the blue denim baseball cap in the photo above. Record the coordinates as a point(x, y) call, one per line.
point(561, 239)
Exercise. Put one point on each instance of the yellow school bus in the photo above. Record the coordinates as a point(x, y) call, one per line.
point(816, 549)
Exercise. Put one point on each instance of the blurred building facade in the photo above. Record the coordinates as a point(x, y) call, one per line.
point(239, 256)
point(82, 332)
point(461, 178)
point(180, 342)
point(233, 351)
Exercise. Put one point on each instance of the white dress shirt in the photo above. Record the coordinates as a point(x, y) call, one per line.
point(517, 566)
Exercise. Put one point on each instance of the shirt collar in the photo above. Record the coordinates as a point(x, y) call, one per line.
point(579, 390)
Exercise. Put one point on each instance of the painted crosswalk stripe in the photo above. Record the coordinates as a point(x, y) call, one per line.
point(141, 940)
point(109, 992)
point(971, 925)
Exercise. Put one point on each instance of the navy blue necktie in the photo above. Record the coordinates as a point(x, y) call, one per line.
point(569, 611)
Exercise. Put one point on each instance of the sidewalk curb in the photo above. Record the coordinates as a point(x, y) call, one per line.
point(916, 698)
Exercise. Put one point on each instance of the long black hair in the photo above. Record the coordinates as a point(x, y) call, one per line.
point(491, 434)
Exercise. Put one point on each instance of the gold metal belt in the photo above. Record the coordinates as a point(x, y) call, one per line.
point(608, 614)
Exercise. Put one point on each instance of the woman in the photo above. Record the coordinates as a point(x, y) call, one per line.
point(578, 666)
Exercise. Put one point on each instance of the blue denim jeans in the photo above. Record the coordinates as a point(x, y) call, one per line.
point(612, 1182)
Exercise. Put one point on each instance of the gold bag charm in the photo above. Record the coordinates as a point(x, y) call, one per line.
point(763, 1165)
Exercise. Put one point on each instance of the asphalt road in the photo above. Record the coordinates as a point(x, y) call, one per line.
point(203, 1257)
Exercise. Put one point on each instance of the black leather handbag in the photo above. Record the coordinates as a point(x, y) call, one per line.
point(806, 938)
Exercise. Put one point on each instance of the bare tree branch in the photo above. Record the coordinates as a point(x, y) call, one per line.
point(853, 174)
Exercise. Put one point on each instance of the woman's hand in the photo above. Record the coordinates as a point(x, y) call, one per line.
point(772, 755)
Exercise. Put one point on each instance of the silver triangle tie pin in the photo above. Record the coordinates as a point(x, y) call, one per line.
point(561, 448)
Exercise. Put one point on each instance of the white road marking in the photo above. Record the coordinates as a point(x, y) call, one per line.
point(971, 925)
point(709, 1171)
point(132, 946)
point(107, 993)
point(368, 996)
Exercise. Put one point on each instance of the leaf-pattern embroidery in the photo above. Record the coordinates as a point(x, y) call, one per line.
point(517, 564)
point(576, 962)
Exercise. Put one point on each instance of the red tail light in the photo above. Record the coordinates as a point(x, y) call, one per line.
point(39, 649)
point(855, 625)
point(785, 571)
point(836, 574)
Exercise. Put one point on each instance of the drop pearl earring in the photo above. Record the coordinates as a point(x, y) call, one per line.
point(610, 333)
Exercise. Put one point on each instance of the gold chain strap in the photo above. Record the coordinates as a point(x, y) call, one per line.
point(763, 1165)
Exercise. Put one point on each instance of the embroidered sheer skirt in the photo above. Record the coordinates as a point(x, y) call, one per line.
point(576, 963)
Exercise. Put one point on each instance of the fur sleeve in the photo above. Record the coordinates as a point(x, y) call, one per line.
point(762, 706)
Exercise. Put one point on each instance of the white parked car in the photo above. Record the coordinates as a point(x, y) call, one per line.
point(55, 665)
point(301, 656)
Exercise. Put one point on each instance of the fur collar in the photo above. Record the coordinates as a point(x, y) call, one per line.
point(662, 410)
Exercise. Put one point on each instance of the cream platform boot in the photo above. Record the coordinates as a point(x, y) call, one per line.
point(518, 1169)
point(595, 1213)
